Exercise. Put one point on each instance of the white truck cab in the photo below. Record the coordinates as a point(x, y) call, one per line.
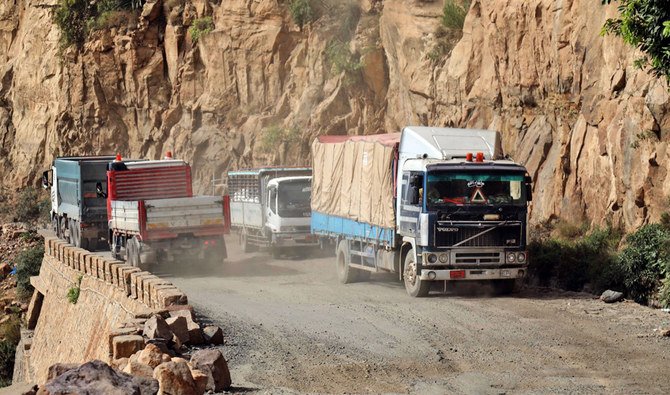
point(270, 208)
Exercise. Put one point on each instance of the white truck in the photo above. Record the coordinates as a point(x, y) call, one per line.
point(270, 208)
point(434, 205)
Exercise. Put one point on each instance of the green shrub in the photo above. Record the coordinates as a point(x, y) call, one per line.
point(454, 12)
point(341, 59)
point(645, 25)
point(275, 135)
point(72, 18)
point(28, 264)
point(76, 18)
point(301, 12)
point(645, 262)
point(10, 334)
point(28, 206)
point(200, 27)
point(73, 292)
point(572, 263)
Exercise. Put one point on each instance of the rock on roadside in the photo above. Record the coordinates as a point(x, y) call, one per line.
point(610, 296)
point(96, 377)
point(214, 365)
point(175, 378)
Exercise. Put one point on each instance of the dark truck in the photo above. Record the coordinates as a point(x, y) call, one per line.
point(77, 214)
point(431, 204)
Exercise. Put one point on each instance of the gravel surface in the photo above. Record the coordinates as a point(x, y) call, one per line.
point(292, 328)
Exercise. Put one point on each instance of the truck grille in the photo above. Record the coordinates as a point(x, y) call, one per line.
point(508, 235)
point(477, 258)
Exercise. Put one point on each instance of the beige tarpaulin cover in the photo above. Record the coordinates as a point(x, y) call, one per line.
point(352, 177)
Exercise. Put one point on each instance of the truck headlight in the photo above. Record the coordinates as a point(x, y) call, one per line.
point(444, 258)
point(521, 257)
point(432, 258)
point(511, 257)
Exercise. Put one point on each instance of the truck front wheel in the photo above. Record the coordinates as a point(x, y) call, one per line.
point(414, 286)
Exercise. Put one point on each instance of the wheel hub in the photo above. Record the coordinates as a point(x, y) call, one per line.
point(410, 273)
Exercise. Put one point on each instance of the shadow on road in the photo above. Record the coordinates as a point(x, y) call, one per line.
point(252, 266)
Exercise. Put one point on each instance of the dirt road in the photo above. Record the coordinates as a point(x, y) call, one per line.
point(291, 327)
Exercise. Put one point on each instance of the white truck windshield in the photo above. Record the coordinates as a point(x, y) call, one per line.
point(294, 199)
point(475, 188)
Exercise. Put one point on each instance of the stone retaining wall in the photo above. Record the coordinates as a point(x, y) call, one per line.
point(114, 297)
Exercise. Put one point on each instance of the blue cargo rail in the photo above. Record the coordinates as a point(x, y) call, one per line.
point(333, 226)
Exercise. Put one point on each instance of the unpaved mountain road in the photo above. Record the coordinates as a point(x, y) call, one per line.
point(292, 328)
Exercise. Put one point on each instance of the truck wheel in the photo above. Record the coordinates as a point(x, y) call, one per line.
point(54, 226)
point(64, 231)
point(75, 234)
point(506, 287)
point(247, 247)
point(133, 256)
point(345, 273)
point(414, 286)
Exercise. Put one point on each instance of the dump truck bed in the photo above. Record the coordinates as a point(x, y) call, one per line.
point(169, 218)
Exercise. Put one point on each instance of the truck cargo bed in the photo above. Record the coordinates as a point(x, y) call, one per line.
point(169, 217)
point(330, 225)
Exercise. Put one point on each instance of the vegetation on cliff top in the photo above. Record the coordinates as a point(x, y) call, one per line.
point(77, 18)
point(644, 24)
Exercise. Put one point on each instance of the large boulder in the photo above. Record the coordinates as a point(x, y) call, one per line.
point(57, 369)
point(175, 378)
point(125, 346)
point(96, 377)
point(610, 296)
point(152, 356)
point(139, 369)
point(195, 336)
point(179, 327)
point(213, 335)
point(157, 328)
point(214, 365)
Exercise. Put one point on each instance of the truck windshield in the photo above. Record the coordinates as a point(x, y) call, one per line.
point(475, 188)
point(294, 198)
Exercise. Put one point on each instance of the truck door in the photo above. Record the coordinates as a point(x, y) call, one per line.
point(411, 189)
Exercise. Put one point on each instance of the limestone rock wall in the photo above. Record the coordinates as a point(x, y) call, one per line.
point(591, 128)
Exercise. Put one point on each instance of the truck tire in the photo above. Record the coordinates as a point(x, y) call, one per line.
point(75, 233)
point(506, 287)
point(345, 273)
point(133, 254)
point(247, 247)
point(64, 230)
point(54, 226)
point(414, 286)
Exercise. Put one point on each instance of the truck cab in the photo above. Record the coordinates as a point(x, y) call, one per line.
point(270, 208)
point(462, 207)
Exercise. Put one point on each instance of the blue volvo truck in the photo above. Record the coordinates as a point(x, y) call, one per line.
point(431, 204)
point(78, 214)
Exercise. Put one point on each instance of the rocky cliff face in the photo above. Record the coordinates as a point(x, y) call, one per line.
point(257, 89)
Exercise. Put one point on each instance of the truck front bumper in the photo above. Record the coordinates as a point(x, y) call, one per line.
point(294, 240)
point(473, 274)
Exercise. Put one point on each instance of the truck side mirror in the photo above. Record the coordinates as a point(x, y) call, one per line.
point(45, 180)
point(528, 183)
point(99, 191)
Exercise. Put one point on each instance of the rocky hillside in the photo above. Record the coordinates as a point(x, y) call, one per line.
point(256, 89)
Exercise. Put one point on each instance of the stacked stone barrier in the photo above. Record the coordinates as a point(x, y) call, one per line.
point(114, 301)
